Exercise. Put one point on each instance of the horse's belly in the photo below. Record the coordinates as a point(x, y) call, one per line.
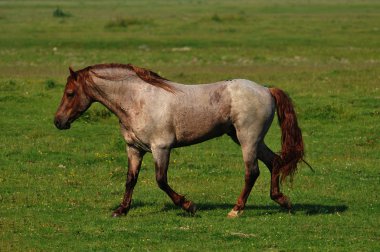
point(197, 133)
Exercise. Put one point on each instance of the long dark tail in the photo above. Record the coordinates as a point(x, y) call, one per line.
point(292, 148)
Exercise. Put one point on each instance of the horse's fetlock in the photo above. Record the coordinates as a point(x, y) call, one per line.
point(276, 196)
point(189, 206)
point(161, 185)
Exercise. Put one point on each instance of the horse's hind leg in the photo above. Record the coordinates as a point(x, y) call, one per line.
point(252, 172)
point(134, 163)
point(161, 157)
point(267, 156)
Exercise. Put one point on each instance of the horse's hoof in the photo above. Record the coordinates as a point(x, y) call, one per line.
point(285, 203)
point(234, 213)
point(116, 215)
point(288, 206)
point(119, 212)
point(190, 207)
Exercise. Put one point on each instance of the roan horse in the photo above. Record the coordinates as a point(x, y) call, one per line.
point(157, 115)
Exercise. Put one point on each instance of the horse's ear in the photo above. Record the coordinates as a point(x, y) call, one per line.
point(73, 73)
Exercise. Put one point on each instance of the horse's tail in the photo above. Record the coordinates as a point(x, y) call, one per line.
point(292, 148)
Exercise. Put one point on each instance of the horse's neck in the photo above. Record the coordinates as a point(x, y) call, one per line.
point(115, 95)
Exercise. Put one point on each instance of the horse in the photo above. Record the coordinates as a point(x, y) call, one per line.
point(157, 115)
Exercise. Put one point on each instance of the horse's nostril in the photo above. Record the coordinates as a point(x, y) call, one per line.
point(57, 123)
point(61, 124)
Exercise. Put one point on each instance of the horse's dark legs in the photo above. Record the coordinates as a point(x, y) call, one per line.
point(161, 157)
point(252, 172)
point(267, 156)
point(134, 163)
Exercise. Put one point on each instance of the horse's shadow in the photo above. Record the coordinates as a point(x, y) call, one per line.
point(307, 209)
point(257, 210)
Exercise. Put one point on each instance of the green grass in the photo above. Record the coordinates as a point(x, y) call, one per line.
point(58, 188)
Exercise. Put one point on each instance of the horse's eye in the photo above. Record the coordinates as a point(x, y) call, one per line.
point(70, 93)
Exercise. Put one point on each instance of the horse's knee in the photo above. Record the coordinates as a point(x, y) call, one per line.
point(131, 179)
point(132, 176)
point(251, 175)
point(161, 181)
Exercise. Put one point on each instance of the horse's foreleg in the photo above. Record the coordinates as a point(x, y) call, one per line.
point(267, 156)
point(135, 157)
point(252, 172)
point(161, 157)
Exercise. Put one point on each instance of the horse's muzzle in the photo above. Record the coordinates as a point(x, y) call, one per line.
point(60, 125)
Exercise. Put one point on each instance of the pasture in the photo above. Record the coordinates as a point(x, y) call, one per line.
point(58, 188)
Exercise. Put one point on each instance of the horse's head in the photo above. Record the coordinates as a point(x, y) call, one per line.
point(74, 101)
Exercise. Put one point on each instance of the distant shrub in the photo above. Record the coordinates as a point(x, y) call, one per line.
point(50, 84)
point(375, 113)
point(126, 22)
point(10, 85)
point(60, 13)
point(216, 18)
point(228, 18)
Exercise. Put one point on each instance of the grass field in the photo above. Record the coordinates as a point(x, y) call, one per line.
point(58, 188)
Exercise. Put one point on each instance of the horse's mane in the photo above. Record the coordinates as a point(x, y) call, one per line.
point(144, 74)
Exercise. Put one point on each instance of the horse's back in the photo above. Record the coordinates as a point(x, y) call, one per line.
point(237, 96)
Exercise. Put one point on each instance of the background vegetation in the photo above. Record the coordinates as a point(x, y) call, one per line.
point(58, 188)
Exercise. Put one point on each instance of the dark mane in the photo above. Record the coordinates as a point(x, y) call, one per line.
point(144, 74)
